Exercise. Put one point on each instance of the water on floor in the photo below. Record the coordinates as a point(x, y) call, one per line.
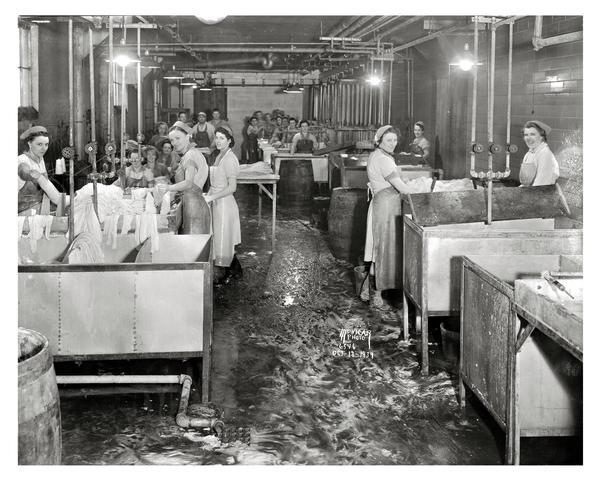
point(303, 372)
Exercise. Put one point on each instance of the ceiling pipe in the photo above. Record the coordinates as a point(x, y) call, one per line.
point(263, 50)
point(377, 24)
point(427, 38)
point(356, 25)
point(341, 27)
point(410, 21)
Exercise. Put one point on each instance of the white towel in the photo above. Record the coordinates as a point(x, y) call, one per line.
point(21, 219)
point(127, 220)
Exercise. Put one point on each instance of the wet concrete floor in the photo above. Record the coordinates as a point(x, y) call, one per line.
point(287, 393)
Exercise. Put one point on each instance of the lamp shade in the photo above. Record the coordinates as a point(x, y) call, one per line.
point(172, 74)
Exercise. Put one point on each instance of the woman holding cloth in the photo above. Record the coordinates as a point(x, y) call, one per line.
point(225, 213)
point(539, 165)
point(31, 172)
point(383, 247)
point(190, 177)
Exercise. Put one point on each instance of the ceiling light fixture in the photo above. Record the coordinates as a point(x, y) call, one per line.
point(211, 18)
point(466, 61)
point(172, 74)
point(187, 81)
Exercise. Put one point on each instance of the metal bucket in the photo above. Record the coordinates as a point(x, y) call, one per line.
point(39, 406)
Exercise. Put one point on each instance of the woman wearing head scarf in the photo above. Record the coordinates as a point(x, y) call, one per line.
point(383, 247)
point(31, 172)
point(420, 145)
point(225, 213)
point(539, 165)
point(190, 177)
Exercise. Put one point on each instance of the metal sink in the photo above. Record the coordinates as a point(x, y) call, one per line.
point(554, 309)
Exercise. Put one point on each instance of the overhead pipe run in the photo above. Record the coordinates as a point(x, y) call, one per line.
point(410, 21)
point(359, 22)
point(343, 26)
point(539, 42)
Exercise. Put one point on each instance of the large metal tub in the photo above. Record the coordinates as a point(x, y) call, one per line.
point(433, 243)
point(136, 305)
point(526, 379)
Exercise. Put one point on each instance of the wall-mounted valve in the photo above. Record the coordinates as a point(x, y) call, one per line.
point(511, 148)
point(91, 148)
point(494, 148)
point(110, 148)
point(68, 153)
point(477, 148)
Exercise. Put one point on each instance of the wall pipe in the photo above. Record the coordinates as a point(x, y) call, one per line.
point(390, 95)
point(182, 418)
point(79, 130)
point(473, 172)
point(381, 94)
point(539, 42)
point(140, 106)
point(155, 105)
point(93, 123)
point(491, 93)
point(509, 97)
point(71, 123)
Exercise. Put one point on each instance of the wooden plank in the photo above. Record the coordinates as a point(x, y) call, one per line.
point(439, 208)
point(526, 202)
point(334, 148)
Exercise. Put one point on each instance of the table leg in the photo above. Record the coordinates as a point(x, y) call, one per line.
point(404, 316)
point(259, 204)
point(274, 215)
point(424, 342)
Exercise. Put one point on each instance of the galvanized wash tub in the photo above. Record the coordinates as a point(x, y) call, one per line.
point(529, 380)
point(137, 304)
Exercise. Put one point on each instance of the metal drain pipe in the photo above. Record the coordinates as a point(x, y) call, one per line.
point(509, 148)
point(182, 418)
point(473, 172)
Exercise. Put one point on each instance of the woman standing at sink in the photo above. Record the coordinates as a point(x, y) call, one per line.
point(383, 248)
point(539, 165)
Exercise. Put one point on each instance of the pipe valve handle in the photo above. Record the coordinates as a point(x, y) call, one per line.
point(68, 153)
point(512, 148)
point(494, 148)
point(477, 148)
point(91, 148)
point(110, 148)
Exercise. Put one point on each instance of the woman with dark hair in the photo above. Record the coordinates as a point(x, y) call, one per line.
point(159, 170)
point(162, 130)
point(383, 246)
point(135, 175)
point(31, 172)
point(167, 156)
point(190, 177)
point(225, 214)
point(303, 141)
point(539, 165)
point(420, 145)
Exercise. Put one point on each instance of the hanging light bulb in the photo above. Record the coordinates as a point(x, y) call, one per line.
point(466, 61)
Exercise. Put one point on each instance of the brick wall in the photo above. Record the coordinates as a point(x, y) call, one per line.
point(546, 85)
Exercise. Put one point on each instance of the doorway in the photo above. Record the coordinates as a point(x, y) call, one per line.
point(208, 101)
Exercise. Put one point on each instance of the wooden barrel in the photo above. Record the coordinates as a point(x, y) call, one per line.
point(347, 222)
point(39, 407)
point(295, 182)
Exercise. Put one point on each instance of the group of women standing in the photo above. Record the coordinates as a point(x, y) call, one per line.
point(383, 246)
point(215, 211)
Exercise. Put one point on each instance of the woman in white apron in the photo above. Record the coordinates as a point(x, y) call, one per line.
point(539, 165)
point(381, 245)
point(225, 214)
